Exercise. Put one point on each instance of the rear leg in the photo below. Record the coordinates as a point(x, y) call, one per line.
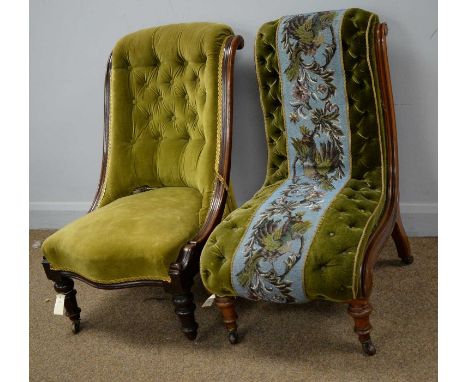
point(401, 241)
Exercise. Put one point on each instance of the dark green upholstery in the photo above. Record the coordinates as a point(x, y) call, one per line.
point(164, 127)
point(270, 96)
point(332, 269)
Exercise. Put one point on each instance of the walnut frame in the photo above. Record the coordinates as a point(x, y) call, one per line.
point(184, 269)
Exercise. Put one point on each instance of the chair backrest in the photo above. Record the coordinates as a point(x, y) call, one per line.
point(363, 94)
point(164, 115)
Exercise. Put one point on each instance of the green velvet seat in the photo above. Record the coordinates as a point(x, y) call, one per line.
point(165, 167)
point(335, 261)
point(135, 237)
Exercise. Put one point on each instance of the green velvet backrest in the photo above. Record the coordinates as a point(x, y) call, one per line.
point(164, 114)
point(269, 83)
point(365, 149)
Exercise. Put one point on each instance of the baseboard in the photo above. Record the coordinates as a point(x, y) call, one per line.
point(420, 219)
point(53, 215)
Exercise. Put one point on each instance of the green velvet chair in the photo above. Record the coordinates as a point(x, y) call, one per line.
point(165, 169)
point(330, 197)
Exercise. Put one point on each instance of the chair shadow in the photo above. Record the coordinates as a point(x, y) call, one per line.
point(146, 318)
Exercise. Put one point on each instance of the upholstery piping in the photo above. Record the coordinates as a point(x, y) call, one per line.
point(115, 281)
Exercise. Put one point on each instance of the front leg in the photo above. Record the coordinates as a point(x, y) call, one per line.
point(228, 310)
point(360, 310)
point(185, 308)
point(401, 240)
point(182, 273)
point(65, 286)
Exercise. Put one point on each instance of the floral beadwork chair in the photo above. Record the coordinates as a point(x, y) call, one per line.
point(330, 198)
point(165, 168)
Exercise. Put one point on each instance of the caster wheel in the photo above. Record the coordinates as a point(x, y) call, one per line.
point(233, 337)
point(76, 327)
point(191, 335)
point(368, 347)
point(407, 260)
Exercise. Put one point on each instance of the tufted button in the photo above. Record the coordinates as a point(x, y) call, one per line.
point(134, 101)
point(220, 256)
point(206, 273)
point(129, 67)
point(331, 234)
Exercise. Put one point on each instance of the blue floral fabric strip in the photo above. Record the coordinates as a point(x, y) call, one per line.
point(269, 262)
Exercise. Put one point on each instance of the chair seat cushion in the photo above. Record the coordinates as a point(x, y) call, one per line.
point(330, 268)
point(134, 237)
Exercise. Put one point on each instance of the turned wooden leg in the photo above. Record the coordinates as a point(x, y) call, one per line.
point(185, 308)
point(360, 310)
point(228, 309)
point(72, 311)
point(401, 241)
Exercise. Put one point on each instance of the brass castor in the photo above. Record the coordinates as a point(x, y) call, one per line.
point(76, 326)
point(368, 347)
point(407, 260)
point(233, 337)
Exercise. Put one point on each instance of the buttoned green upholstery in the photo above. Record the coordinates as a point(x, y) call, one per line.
point(164, 126)
point(332, 268)
point(134, 237)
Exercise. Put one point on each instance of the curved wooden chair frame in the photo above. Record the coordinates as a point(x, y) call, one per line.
point(390, 223)
point(184, 269)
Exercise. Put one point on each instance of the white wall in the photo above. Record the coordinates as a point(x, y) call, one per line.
point(71, 39)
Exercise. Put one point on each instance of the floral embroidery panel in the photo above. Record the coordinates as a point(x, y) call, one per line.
point(269, 262)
